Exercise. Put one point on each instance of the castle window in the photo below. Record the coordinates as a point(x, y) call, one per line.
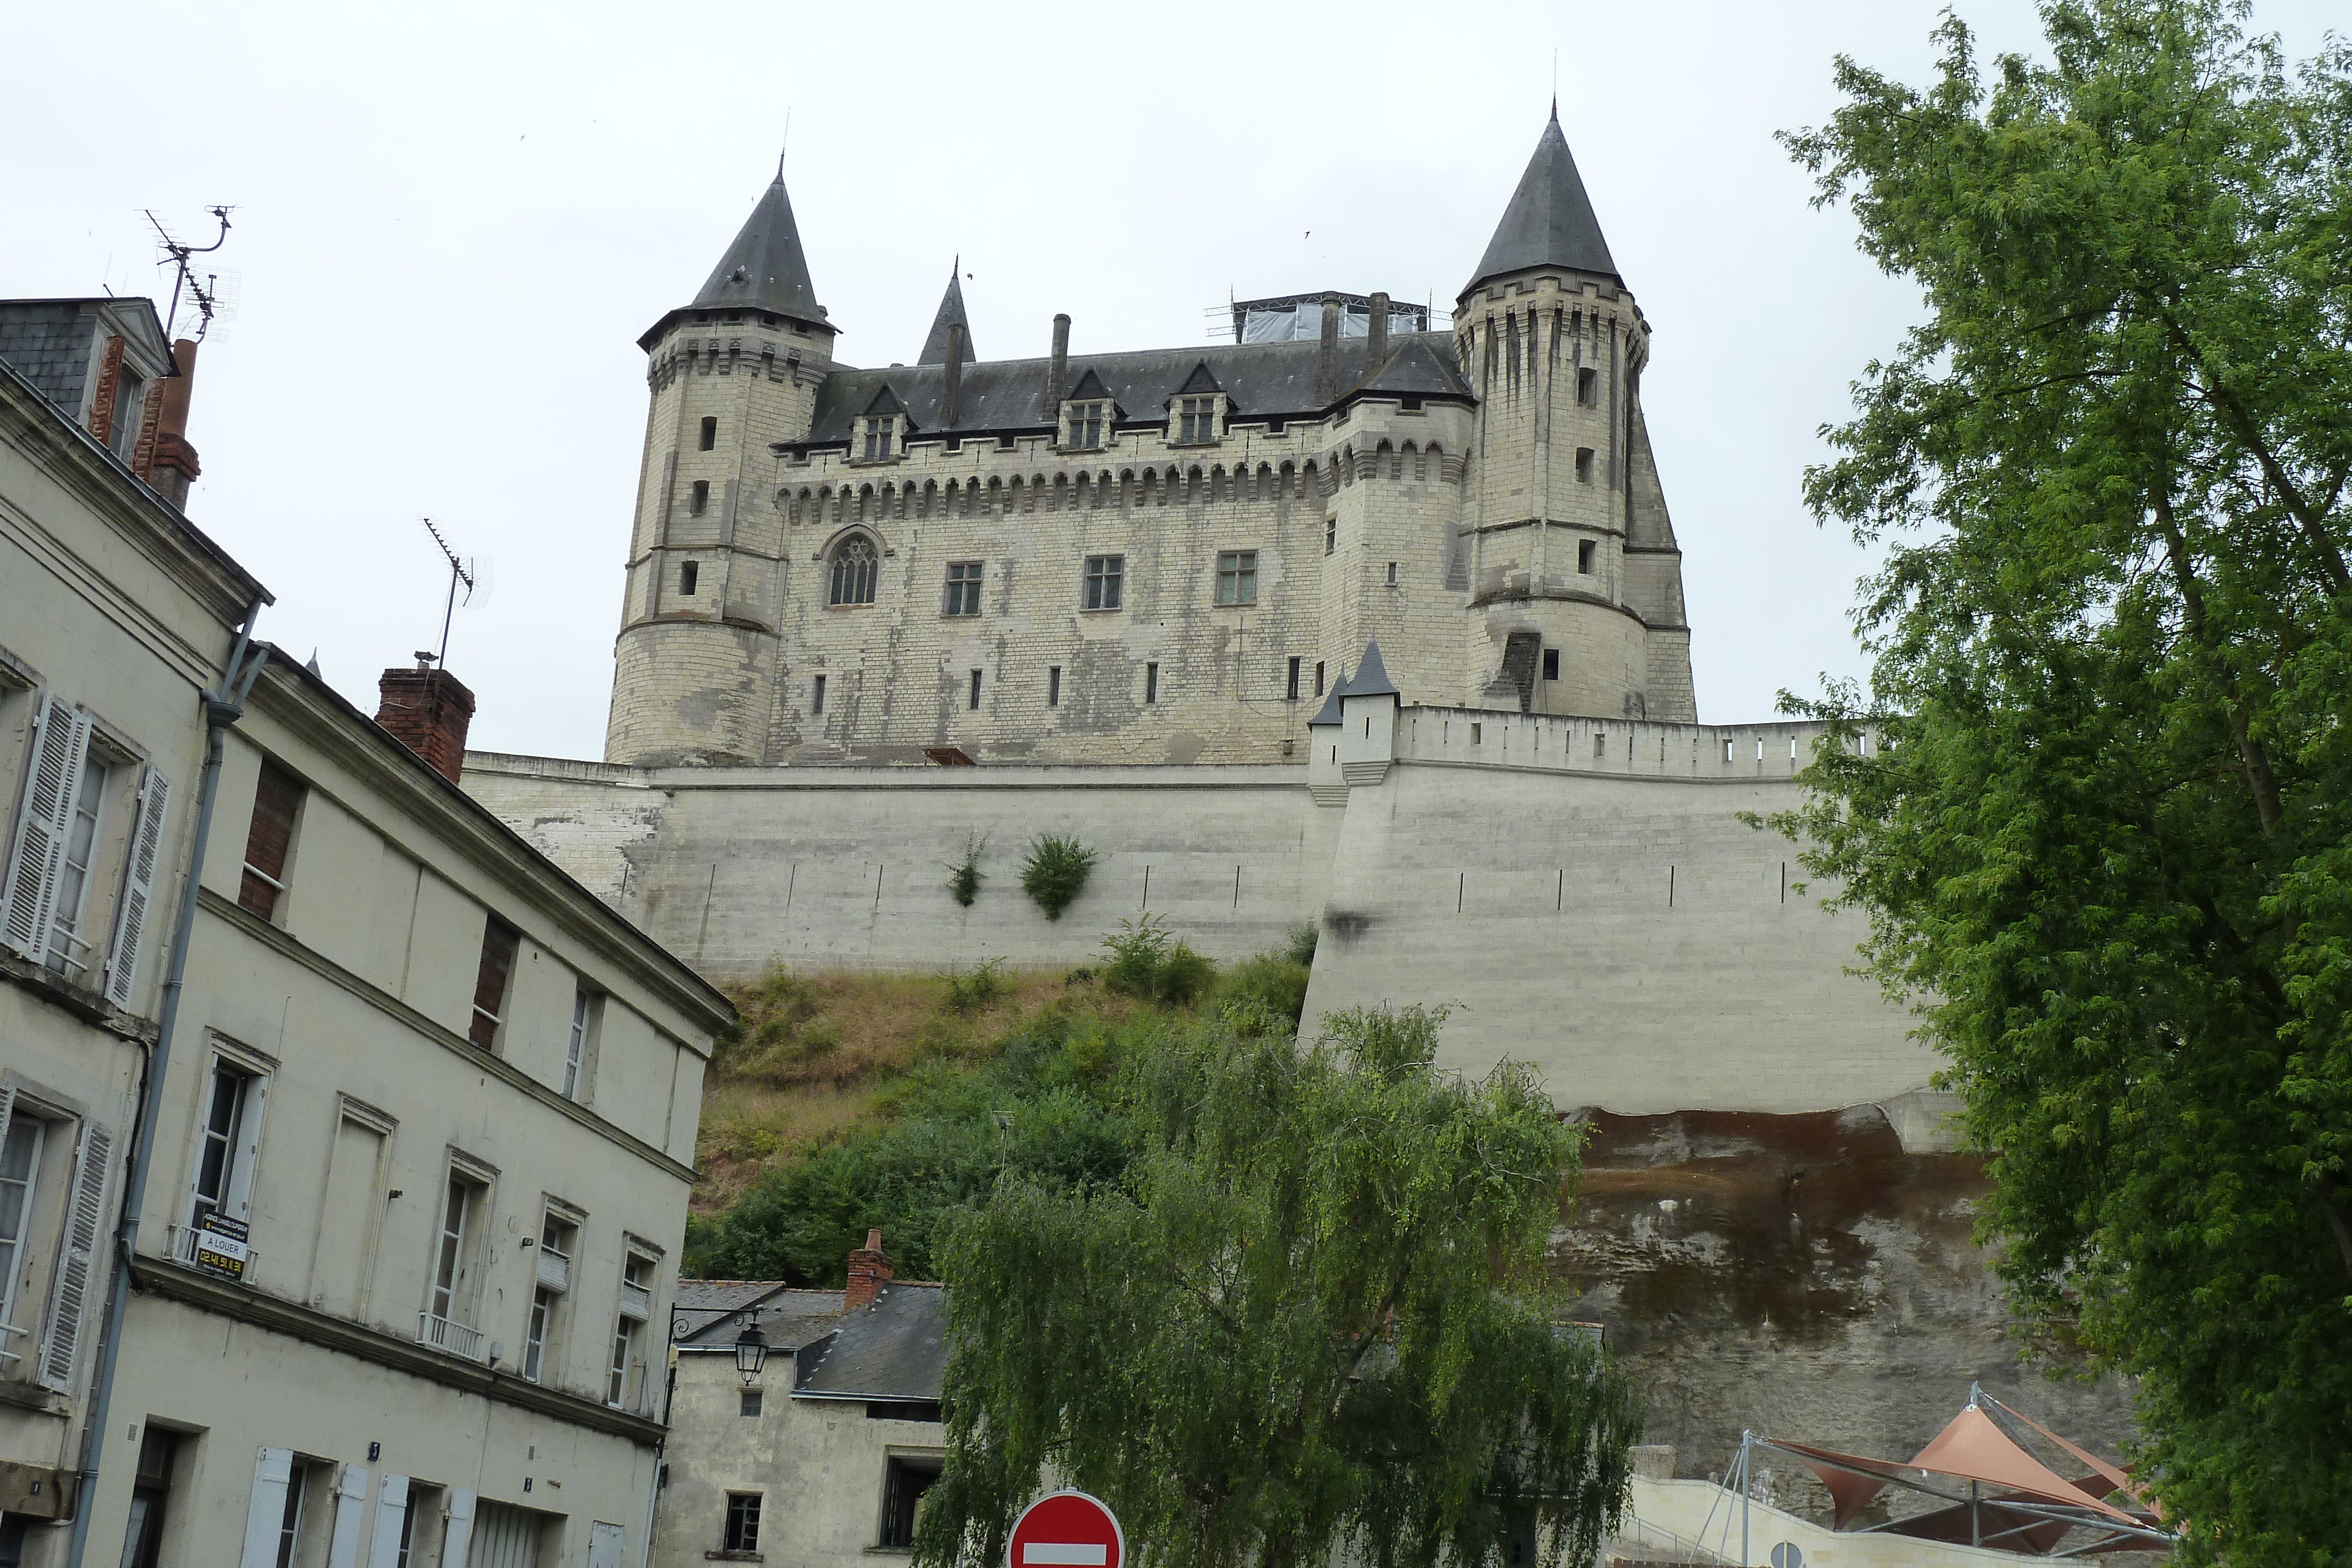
point(1151, 683)
point(975, 691)
point(1331, 533)
point(698, 499)
point(1007, 443)
point(1085, 425)
point(853, 567)
point(710, 433)
point(688, 573)
point(1393, 582)
point(1106, 577)
point(963, 588)
point(1276, 427)
point(1237, 577)
point(1290, 688)
point(878, 435)
point(1053, 685)
point(816, 696)
point(1584, 465)
point(1584, 556)
point(1588, 385)
point(1318, 677)
point(1551, 663)
point(1196, 420)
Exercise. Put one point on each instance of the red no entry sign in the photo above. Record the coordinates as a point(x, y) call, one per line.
point(1066, 1530)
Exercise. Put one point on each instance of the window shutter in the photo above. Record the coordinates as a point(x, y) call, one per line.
point(351, 1498)
point(265, 1516)
point(391, 1513)
point(138, 886)
point(85, 1233)
point(604, 1545)
point(60, 741)
point(458, 1533)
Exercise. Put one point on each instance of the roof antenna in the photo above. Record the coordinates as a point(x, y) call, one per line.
point(205, 294)
point(458, 573)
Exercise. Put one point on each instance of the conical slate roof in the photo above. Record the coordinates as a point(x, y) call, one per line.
point(1331, 710)
point(935, 347)
point(1549, 222)
point(764, 268)
point(1372, 676)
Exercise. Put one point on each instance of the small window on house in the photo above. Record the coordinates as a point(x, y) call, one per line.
point(1318, 677)
point(853, 569)
point(1584, 549)
point(963, 588)
point(1196, 420)
point(499, 941)
point(129, 408)
point(878, 435)
point(710, 433)
point(1006, 442)
point(816, 696)
point(225, 1147)
point(1600, 744)
point(1151, 683)
point(580, 1045)
point(557, 1241)
point(1408, 404)
point(1086, 426)
point(65, 949)
point(1053, 685)
point(1273, 427)
point(690, 575)
point(1393, 582)
point(1106, 578)
point(276, 801)
point(1290, 685)
point(1331, 533)
point(697, 500)
point(754, 1400)
point(1588, 385)
point(1584, 465)
point(291, 1539)
point(975, 691)
point(904, 1478)
point(21, 1137)
point(1237, 577)
point(1551, 663)
point(636, 1305)
point(742, 1515)
point(444, 1325)
point(1477, 733)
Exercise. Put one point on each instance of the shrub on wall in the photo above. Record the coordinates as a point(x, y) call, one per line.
point(1055, 873)
point(1148, 960)
point(963, 875)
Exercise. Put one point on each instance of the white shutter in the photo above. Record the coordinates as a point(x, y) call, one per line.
point(138, 885)
point(265, 1516)
point(351, 1497)
point(60, 742)
point(457, 1534)
point(604, 1545)
point(71, 1293)
point(391, 1513)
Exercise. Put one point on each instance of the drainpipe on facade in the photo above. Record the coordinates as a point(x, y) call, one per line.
point(223, 705)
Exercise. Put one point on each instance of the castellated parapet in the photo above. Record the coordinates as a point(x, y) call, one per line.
point(1157, 557)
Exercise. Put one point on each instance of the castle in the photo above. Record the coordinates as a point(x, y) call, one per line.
point(1154, 557)
point(1347, 623)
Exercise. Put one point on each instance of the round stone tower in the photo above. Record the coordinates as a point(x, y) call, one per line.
point(696, 664)
point(1575, 579)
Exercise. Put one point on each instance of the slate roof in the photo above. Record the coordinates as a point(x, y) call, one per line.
point(1263, 381)
point(49, 342)
point(1328, 714)
point(1372, 679)
point(1551, 221)
point(764, 268)
point(895, 1349)
point(935, 347)
point(788, 1318)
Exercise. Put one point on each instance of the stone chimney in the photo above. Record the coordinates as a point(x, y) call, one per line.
point(172, 466)
point(952, 377)
point(1326, 356)
point(1376, 353)
point(1058, 370)
point(427, 711)
point(869, 1271)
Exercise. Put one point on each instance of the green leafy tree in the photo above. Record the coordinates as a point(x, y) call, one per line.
point(2107, 842)
point(1311, 1313)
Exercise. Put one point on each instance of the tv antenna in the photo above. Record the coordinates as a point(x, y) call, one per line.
point(459, 572)
point(205, 294)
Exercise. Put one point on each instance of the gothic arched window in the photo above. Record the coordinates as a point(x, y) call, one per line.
point(854, 565)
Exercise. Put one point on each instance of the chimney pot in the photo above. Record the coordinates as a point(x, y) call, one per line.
point(429, 711)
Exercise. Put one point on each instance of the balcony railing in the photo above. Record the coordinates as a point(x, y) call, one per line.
point(554, 1269)
point(451, 1338)
point(636, 1301)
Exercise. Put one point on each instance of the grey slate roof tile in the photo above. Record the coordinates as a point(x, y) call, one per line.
point(764, 267)
point(1551, 221)
point(895, 1349)
point(935, 347)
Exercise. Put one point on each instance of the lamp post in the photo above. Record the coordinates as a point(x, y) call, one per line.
point(750, 1349)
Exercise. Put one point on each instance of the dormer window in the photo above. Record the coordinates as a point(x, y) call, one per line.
point(881, 437)
point(1196, 420)
point(1084, 426)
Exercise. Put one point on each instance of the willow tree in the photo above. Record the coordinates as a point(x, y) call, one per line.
point(1314, 1313)
point(2108, 843)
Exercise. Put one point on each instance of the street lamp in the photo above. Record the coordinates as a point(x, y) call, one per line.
point(751, 1351)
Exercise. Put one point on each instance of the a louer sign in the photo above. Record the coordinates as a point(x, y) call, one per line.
point(1066, 1530)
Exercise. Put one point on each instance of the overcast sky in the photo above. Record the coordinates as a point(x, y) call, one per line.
point(451, 221)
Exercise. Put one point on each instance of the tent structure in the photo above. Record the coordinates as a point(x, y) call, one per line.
point(1996, 1493)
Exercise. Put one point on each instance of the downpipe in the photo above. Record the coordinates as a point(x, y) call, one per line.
point(223, 705)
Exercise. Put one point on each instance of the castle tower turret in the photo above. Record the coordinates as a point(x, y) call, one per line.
point(950, 316)
point(696, 664)
point(1575, 579)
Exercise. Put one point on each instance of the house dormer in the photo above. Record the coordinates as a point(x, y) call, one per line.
point(1087, 415)
point(1196, 414)
point(881, 432)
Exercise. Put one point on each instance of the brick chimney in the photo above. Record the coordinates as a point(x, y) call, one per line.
point(171, 463)
point(429, 711)
point(869, 1271)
